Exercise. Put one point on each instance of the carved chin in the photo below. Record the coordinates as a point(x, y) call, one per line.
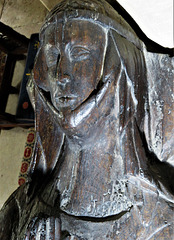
point(82, 113)
point(84, 116)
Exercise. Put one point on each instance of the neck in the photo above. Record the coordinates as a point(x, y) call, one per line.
point(100, 147)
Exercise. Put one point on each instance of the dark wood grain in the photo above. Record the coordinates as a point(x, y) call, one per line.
point(102, 165)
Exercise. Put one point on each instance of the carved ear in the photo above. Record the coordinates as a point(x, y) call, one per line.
point(112, 64)
point(41, 70)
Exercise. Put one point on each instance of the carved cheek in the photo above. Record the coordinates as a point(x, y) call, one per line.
point(82, 72)
point(75, 70)
point(92, 69)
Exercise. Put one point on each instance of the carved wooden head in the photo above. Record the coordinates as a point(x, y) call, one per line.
point(85, 49)
point(74, 54)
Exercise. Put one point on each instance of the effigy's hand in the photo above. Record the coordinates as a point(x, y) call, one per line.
point(43, 229)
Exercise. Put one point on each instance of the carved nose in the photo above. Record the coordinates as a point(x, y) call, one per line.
point(63, 79)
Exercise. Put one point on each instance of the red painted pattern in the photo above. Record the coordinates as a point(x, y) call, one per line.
point(21, 181)
point(24, 167)
point(25, 105)
point(27, 152)
point(30, 138)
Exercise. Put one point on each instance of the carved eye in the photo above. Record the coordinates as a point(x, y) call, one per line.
point(52, 54)
point(79, 53)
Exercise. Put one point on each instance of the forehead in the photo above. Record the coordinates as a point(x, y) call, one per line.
point(83, 30)
point(74, 31)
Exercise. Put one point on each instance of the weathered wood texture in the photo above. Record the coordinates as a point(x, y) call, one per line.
point(102, 166)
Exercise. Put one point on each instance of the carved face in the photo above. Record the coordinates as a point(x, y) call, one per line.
point(74, 53)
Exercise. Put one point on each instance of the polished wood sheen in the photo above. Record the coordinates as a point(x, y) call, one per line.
point(102, 166)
